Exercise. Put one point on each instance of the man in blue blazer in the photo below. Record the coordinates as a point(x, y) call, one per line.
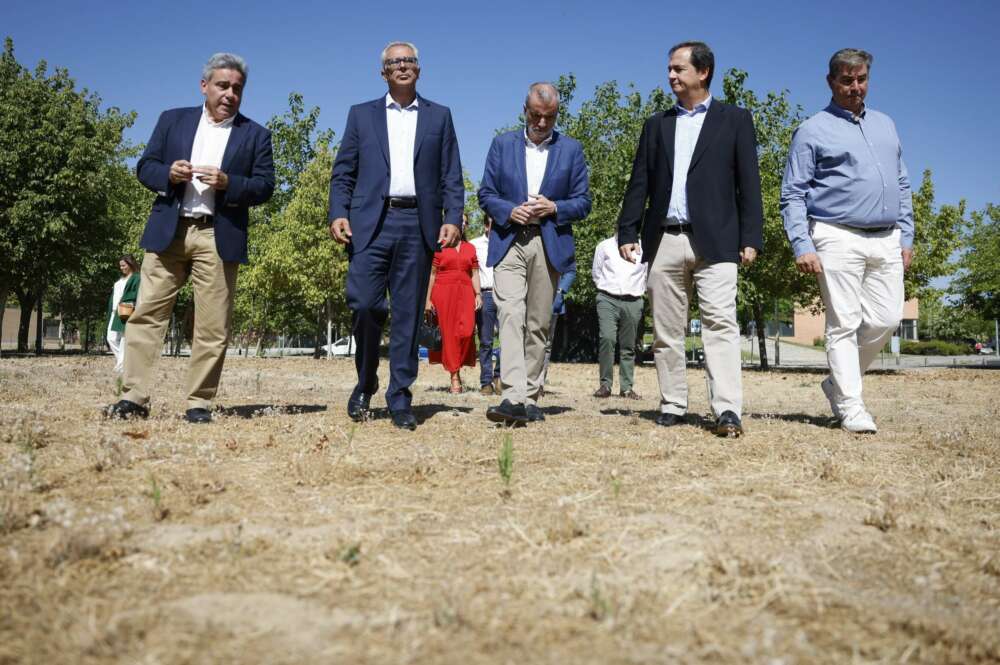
point(396, 195)
point(207, 164)
point(535, 186)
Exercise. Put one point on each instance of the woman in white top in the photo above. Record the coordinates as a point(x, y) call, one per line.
point(126, 290)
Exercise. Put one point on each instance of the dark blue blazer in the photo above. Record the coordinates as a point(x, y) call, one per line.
point(359, 183)
point(247, 162)
point(505, 186)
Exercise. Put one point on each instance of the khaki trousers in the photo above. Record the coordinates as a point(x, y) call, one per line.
point(676, 267)
point(524, 286)
point(193, 253)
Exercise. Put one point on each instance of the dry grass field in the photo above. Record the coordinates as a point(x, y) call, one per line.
point(282, 533)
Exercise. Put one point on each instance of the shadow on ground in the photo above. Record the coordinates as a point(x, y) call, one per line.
point(260, 410)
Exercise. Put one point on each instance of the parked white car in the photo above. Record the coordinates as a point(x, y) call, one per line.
point(345, 346)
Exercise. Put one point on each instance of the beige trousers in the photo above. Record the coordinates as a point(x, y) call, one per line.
point(676, 267)
point(163, 274)
point(524, 286)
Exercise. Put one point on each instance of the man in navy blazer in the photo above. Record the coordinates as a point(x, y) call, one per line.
point(396, 195)
point(207, 164)
point(694, 199)
point(535, 186)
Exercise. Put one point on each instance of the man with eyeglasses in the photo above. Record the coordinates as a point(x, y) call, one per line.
point(396, 195)
point(535, 186)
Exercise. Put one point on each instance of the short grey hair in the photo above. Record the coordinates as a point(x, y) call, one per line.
point(544, 90)
point(385, 51)
point(225, 61)
point(850, 58)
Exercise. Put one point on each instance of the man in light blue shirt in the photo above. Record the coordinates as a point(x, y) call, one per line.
point(848, 213)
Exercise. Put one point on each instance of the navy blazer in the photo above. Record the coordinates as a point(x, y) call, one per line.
point(505, 186)
point(359, 183)
point(723, 186)
point(247, 162)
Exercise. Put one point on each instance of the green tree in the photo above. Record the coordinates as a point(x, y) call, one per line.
point(937, 235)
point(259, 311)
point(60, 155)
point(978, 280)
point(945, 319)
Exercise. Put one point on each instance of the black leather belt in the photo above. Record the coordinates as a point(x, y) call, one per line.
point(676, 229)
point(198, 219)
point(876, 229)
point(402, 201)
point(619, 297)
point(529, 229)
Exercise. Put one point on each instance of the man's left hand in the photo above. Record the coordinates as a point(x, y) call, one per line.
point(449, 235)
point(540, 206)
point(557, 304)
point(907, 258)
point(211, 176)
point(748, 255)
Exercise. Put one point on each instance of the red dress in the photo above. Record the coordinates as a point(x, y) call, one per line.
point(455, 301)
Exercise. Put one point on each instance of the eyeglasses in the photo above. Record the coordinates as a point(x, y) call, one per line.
point(399, 63)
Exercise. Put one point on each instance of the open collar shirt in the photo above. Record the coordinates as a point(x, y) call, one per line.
point(686, 133)
point(535, 158)
point(210, 140)
point(402, 128)
point(845, 169)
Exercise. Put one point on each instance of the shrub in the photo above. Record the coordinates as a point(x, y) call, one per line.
point(819, 341)
point(934, 347)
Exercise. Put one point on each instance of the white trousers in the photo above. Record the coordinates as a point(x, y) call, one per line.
point(677, 268)
point(116, 342)
point(862, 290)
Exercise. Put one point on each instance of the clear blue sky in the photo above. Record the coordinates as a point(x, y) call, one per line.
point(934, 73)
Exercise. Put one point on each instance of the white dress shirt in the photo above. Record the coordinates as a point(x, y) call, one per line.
point(535, 158)
point(402, 126)
point(482, 243)
point(613, 274)
point(209, 147)
point(686, 134)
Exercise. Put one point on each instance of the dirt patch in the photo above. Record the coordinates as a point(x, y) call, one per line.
point(285, 533)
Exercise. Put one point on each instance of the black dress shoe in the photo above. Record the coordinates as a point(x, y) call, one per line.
point(404, 420)
point(126, 410)
point(669, 419)
point(534, 414)
point(198, 416)
point(728, 425)
point(357, 407)
point(507, 413)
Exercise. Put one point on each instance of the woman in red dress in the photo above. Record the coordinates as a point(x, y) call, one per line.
point(454, 295)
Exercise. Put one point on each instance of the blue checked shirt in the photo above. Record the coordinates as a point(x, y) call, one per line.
point(845, 170)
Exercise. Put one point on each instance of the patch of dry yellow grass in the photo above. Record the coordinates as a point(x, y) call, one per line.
point(284, 533)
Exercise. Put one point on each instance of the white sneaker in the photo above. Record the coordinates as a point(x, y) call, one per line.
point(831, 395)
point(860, 422)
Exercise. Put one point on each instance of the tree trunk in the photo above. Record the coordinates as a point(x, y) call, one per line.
point(39, 324)
point(26, 300)
point(86, 335)
point(758, 317)
point(4, 292)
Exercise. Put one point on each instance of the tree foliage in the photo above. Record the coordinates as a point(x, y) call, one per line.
point(61, 185)
point(978, 281)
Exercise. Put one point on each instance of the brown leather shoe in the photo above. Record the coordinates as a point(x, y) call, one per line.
point(487, 389)
point(629, 394)
point(602, 392)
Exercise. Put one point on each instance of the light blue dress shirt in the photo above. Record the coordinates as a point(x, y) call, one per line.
point(849, 170)
point(686, 133)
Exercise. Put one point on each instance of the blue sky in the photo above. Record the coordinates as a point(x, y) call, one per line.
point(934, 72)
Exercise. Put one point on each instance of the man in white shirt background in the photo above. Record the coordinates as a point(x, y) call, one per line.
point(620, 287)
point(486, 317)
